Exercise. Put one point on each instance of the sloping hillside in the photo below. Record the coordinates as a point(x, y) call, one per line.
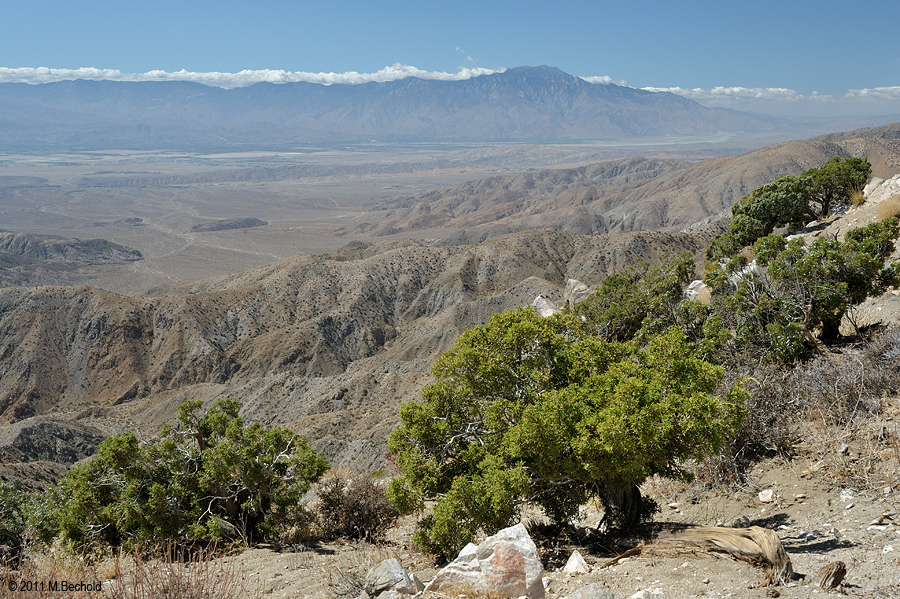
point(328, 344)
point(623, 195)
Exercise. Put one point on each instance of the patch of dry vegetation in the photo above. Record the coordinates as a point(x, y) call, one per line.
point(173, 573)
point(889, 207)
point(829, 410)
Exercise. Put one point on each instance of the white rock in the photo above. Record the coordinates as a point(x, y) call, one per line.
point(506, 564)
point(576, 564)
point(389, 575)
point(694, 289)
point(767, 496)
point(575, 292)
point(543, 307)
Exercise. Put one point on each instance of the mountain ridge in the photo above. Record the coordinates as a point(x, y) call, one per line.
point(523, 103)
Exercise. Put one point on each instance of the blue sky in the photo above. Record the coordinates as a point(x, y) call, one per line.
point(764, 53)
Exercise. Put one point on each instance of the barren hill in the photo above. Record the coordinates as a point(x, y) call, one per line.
point(328, 344)
point(623, 195)
point(27, 259)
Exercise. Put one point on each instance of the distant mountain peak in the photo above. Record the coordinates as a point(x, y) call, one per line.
point(522, 103)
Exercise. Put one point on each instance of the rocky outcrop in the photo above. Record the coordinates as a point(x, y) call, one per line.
point(506, 564)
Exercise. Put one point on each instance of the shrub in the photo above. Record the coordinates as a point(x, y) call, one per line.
point(13, 505)
point(354, 508)
point(774, 311)
point(791, 202)
point(538, 410)
point(636, 299)
point(207, 478)
point(836, 390)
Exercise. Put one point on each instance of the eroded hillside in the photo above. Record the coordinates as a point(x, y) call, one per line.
point(327, 344)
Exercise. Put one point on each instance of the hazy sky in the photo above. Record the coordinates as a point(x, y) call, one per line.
point(787, 54)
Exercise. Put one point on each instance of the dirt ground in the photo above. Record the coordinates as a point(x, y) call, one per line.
point(819, 517)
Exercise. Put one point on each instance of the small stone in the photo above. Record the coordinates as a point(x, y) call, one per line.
point(594, 591)
point(705, 581)
point(849, 506)
point(576, 564)
point(673, 505)
point(767, 496)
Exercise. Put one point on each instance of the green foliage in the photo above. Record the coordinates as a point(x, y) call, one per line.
point(207, 477)
point(775, 311)
point(834, 182)
point(637, 299)
point(791, 202)
point(545, 410)
point(13, 508)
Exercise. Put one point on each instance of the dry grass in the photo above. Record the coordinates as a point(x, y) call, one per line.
point(857, 198)
point(889, 207)
point(818, 408)
point(179, 573)
point(41, 575)
point(171, 574)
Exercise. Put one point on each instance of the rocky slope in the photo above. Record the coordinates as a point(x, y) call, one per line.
point(622, 195)
point(27, 259)
point(327, 344)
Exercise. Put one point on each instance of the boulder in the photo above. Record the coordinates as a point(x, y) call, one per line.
point(575, 292)
point(504, 565)
point(544, 307)
point(389, 575)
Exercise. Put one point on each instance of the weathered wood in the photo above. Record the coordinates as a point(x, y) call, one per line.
point(830, 576)
point(756, 545)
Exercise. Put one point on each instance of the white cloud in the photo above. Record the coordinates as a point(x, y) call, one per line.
point(240, 79)
point(604, 80)
point(784, 101)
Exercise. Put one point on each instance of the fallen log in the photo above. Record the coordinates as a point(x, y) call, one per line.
point(755, 545)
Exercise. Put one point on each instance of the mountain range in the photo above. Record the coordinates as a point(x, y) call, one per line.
point(524, 103)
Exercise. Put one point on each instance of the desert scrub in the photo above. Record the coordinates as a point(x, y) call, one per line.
point(354, 508)
point(208, 477)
